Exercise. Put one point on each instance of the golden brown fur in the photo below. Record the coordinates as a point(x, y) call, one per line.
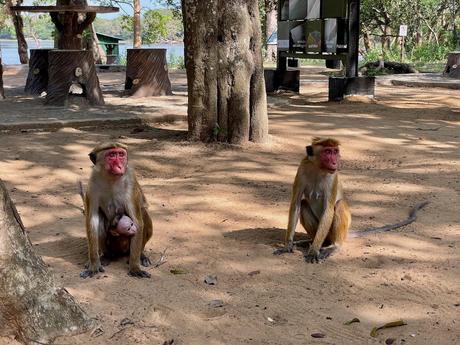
point(317, 199)
point(106, 198)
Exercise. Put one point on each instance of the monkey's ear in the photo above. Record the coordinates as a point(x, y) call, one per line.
point(92, 157)
point(309, 149)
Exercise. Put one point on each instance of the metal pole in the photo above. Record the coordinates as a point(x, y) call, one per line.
point(353, 38)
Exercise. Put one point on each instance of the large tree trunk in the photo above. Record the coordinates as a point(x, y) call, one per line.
point(223, 58)
point(2, 92)
point(70, 25)
point(19, 29)
point(31, 308)
point(137, 24)
point(271, 25)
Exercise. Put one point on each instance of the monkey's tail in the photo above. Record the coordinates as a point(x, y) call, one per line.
point(412, 217)
point(81, 191)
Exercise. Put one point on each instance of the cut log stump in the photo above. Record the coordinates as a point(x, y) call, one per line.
point(72, 71)
point(32, 308)
point(2, 92)
point(147, 73)
point(452, 69)
point(37, 78)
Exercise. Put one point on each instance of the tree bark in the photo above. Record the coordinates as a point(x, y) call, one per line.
point(70, 25)
point(137, 24)
point(223, 57)
point(31, 308)
point(19, 29)
point(99, 54)
point(2, 92)
point(271, 25)
point(452, 69)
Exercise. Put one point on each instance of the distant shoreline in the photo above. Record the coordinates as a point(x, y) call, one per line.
point(9, 49)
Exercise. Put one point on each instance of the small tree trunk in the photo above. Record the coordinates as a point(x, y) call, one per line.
point(271, 25)
point(31, 307)
point(19, 29)
point(367, 41)
point(137, 24)
point(99, 54)
point(223, 58)
point(2, 92)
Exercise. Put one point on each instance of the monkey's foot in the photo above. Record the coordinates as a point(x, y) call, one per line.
point(145, 261)
point(91, 272)
point(139, 274)
point(315, 256)
point(284, 250)
point(312, 256)
point(105, 260)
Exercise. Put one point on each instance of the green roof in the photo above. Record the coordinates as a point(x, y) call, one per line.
point(108, 36)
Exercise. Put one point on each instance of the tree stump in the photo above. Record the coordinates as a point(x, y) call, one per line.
point(452, 69)
point(2, 92)
point(147, 73)
point(37, 78)
point(71, 70)
point(32, 308)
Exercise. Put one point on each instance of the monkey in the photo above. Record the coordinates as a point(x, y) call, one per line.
point(114, 200)
point(318, 199)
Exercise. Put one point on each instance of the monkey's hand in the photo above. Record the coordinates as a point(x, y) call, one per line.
point(313, 255)
point(91, 270)
point(286, 249)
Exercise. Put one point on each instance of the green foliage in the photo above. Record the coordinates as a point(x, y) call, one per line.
point(176, 61)
point(430, 52)
point(161, 25)
point(216, 131)
point(155, 26)
point(114, 27)
point(430, 27)
point(39, 26)
point(127, 23)
point(6, 27)
point(372, 55)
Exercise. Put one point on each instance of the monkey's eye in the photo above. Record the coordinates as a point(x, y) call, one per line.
point(328, 151)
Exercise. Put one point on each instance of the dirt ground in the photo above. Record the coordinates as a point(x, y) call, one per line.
point(222, 210)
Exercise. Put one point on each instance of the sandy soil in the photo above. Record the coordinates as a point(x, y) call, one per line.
point(221, 210)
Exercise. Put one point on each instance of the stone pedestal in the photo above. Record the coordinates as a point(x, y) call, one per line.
point(37, 79)
point(341, 87)
point(282, 80)
point(72, 69)
point(147, 73)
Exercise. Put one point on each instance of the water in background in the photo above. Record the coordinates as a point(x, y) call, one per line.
point(9, 49)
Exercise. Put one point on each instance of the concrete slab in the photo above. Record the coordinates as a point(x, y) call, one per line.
point(22, 112)
point(420, 80)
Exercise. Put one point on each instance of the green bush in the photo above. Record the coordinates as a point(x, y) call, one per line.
point(430, 52)
point(176, 61)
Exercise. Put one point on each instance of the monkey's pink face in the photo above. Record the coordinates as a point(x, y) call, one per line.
point(115, 161)
point(330, 158)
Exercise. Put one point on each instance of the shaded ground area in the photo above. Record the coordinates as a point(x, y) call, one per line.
point(221, 210)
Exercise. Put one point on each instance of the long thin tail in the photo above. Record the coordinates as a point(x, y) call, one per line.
point(81, 191)
point(412, 217)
